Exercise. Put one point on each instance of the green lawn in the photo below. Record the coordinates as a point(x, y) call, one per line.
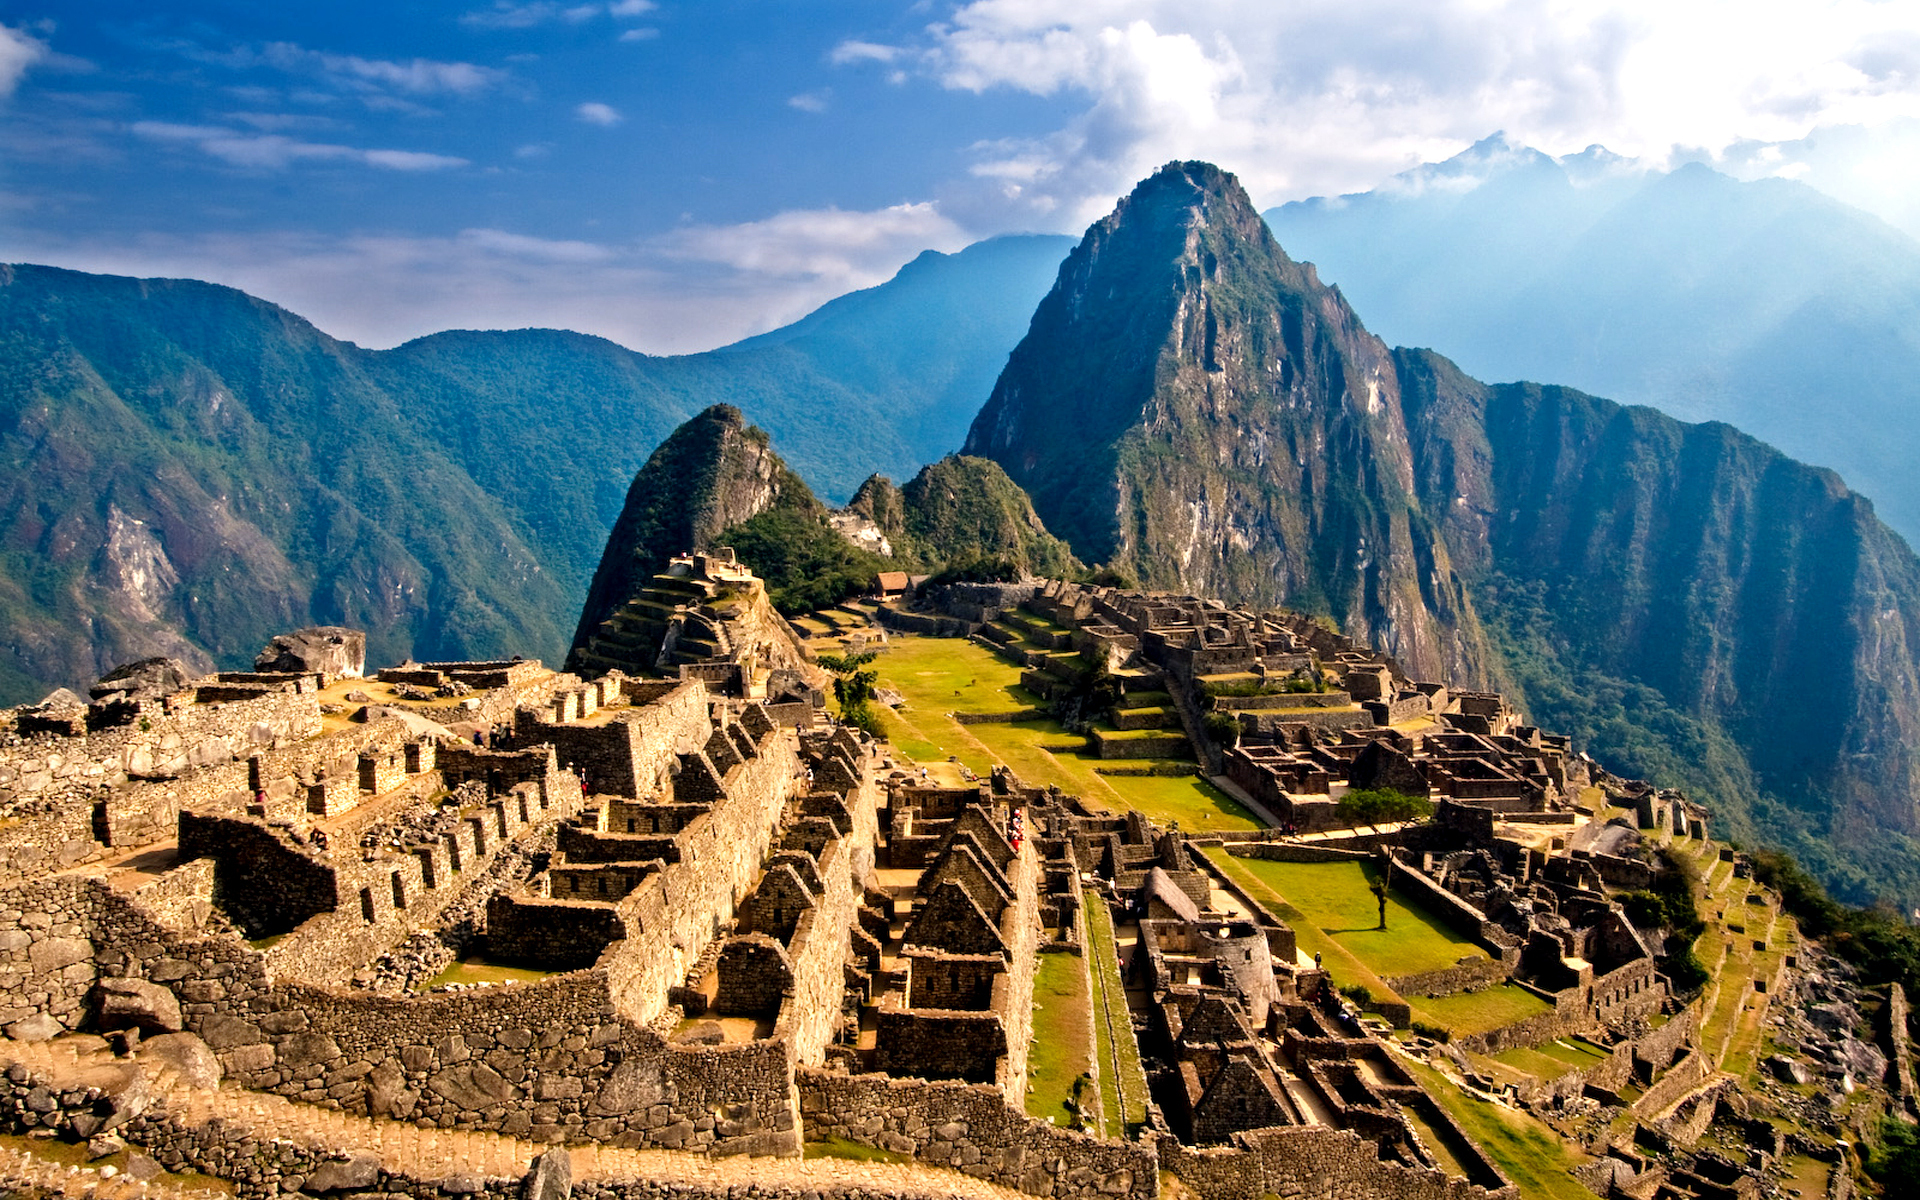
point(1063, 1036)
point(1468, 1013)
point(1530, 1153)
point(474, 970)
point(841, 1148)
point(1337, 899)
point(1123, 1082)
point(937, 676)
point(1554, 1059)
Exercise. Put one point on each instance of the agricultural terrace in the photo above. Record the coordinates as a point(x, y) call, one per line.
point(938, 677)
point(1333, 913)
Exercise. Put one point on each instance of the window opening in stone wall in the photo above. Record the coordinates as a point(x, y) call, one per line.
point(366, 904)
point(399, 891)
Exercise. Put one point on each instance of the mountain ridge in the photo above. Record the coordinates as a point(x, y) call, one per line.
point(1258, 444)
point(465, 523)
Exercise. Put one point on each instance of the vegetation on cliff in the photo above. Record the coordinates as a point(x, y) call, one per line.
point(198, 469)
point(957, 508)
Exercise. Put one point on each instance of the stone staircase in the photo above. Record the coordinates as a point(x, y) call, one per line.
point(429, 1154)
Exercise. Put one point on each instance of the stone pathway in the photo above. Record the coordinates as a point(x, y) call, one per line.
point(428, 1154)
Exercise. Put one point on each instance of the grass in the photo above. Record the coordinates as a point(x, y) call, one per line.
point(1554, 1059)
point(1063, 1036)
point(75, 1154)
point(474, 970)
point(1438, 1143)
point(1123, 1083)
point(1468, 1013)
point(1336, 898)
point(1530, 1153)
point(842, 1148)
point(937, 676)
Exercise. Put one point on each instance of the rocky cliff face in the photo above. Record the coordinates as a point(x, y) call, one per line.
point(1688, 598)
point(1196, 408)
point(711, 474)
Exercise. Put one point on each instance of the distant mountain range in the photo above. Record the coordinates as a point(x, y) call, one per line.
point(1765, 304)
point(197, 469)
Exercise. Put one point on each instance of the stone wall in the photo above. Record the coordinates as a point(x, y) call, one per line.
point(1311, 1162)
point(1469, 974)
point(121, 784)
point(260, 1168)
point(681, 908)
point(631, 754)
point(818, 950)
point(972, 1128)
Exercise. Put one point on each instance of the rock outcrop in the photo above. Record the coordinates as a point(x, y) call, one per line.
point(327, 649)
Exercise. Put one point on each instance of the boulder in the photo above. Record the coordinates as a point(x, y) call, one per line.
point(60, 699)
point(189, 1058)
point(37, 1028)
point(357, 1174)
point(142, 1168)
point(327, 649)
point(144, 680)
point(1789, 1070)
point(104, 1146)
point(551, 1177)
point(137, 1003)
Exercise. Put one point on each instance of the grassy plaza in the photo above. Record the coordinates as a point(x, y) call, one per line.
point(938, 677)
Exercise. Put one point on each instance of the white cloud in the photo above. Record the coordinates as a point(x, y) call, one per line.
point(858, 51)
point(273, 151)
point(812, 102)
point(18, 52)
point(854, 249)
point(1318, 96)
point(595, 113)
point(384, 290)
point(504, 14)
point(645, 33)
point(417, 76)
point(534, 249)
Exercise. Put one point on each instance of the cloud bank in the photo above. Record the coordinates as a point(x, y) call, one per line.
point(1325, 96)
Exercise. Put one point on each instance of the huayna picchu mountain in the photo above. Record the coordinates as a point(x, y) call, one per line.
point(1193, 407)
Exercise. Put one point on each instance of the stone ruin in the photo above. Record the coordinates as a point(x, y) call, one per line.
point(671, 906)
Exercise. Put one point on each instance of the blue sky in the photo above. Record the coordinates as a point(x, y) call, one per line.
point(677, 175)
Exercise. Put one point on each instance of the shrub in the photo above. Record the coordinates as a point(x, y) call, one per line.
point(1222, 728)
point(1895, 1153)
point(1106, 576)
point(1381, 806)
point(1685, 972)
point(983, 568)
point(865, 717)
point(1358, 993)
point(1427, 1029)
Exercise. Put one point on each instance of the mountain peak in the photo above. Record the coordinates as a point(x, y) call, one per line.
point(1186, 404)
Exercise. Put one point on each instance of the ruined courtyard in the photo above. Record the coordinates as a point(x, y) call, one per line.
point(277, 926)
